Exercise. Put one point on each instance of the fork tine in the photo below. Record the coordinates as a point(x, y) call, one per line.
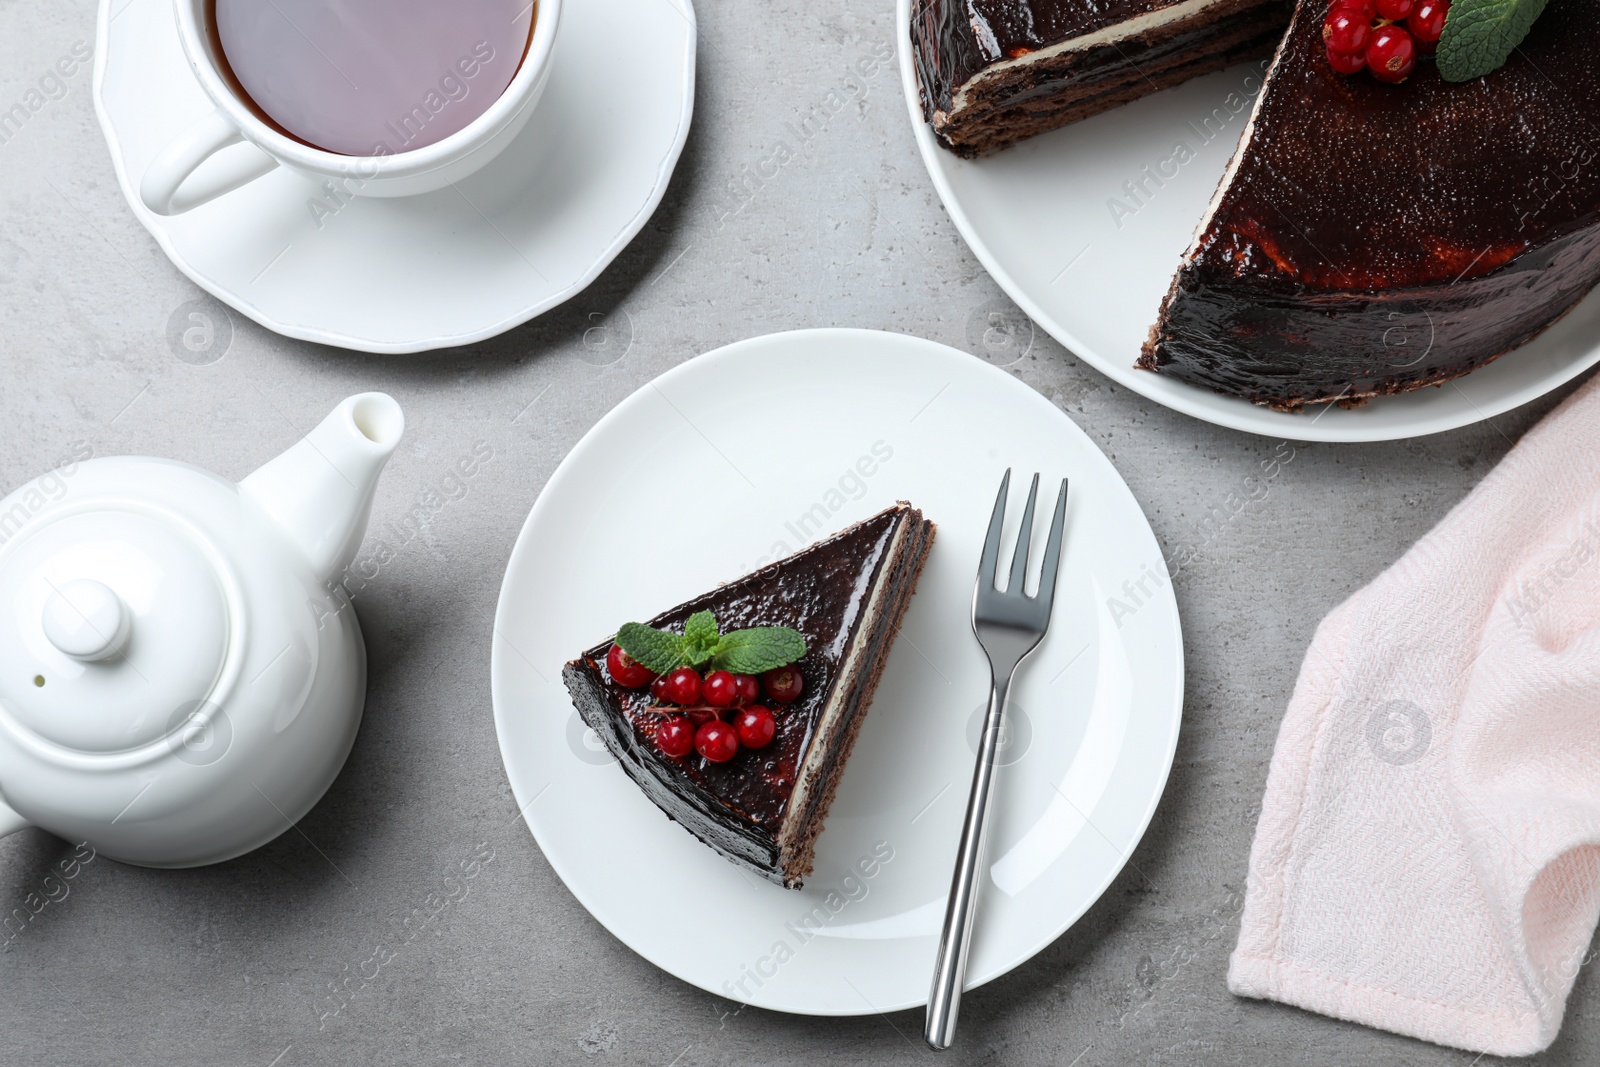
point(1019, 558)
point(989, 563)
point(1052, 551)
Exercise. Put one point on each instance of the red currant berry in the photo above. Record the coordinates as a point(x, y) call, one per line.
point(1345, 31)
point(627, 671)
point(1395, 10)
point(720, 690)
point(1365, 9)
point(717, 741)
point(784, 684)
point(749, 688)
point(1347, 64)
point(1427, 23)
point(755, 725)
point(1392, 54)
point(675, 736)
point(658, 689)
point(683, 686)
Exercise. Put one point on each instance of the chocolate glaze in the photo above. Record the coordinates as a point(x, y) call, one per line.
point(1025, 100)
point(739, 807)
point(1376, 238)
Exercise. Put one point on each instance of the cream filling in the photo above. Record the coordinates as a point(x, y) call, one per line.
point(813, 770)
point(1240, 151)
point(1121, 31)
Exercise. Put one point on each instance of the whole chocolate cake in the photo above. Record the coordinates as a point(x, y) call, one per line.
point(992, 72)
point(763, 807)
point(1370, 238)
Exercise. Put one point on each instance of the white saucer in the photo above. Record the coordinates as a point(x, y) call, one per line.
point(766, 432)
point(1038, 218)
point(527, 232)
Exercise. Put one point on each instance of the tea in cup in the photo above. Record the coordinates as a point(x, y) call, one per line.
point(389, 97)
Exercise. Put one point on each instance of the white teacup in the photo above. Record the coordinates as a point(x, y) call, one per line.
point(171, 186)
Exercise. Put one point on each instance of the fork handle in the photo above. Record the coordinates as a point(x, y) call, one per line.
point(949, 974)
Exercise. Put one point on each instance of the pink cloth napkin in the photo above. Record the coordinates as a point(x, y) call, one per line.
point(1428, 855)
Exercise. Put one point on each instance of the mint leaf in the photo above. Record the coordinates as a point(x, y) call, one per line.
point(1479, 35)
point(758, 649)
point(658, 650)
point(753, 651)
point(699, 638)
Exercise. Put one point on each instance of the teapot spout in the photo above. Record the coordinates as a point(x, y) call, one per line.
point(320, 491)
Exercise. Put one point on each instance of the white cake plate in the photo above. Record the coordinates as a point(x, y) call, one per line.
point(1053, 220)
point(793, 437)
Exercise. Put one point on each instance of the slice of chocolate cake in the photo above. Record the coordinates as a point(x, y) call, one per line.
point(1370, 238)
point(992, 72)
point(761, 803)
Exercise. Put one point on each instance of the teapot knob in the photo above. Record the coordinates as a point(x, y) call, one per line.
point(86, 620)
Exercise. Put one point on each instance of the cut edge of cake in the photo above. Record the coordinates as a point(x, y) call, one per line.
point(898, 576)
point(1214, 34)
point(1147, 355)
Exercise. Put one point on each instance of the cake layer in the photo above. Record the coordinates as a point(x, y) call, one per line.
point(857, 683)
point(993, 73)
point(1368, 238)
point(763, 808)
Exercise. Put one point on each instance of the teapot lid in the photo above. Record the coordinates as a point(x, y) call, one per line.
point(115, 626)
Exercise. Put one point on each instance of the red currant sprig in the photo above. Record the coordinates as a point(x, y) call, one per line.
point(692, 708)
point(1383, 36)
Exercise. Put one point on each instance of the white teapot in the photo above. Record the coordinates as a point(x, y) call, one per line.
point(181, 675)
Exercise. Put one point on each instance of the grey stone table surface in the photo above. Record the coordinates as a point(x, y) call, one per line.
point(237, 963)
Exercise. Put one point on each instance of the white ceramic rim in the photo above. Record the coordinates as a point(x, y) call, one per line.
point(353, 342)
point(523, 85)
point(699, 364)
point(1203, 404)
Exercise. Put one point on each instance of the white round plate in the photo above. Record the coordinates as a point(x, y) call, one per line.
point(753, 451)
point(1042, 218)
point(527, 232)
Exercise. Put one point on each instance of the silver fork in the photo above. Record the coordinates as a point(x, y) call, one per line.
point(1009, 625)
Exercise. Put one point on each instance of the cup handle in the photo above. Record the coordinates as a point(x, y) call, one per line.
point(163, 188)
